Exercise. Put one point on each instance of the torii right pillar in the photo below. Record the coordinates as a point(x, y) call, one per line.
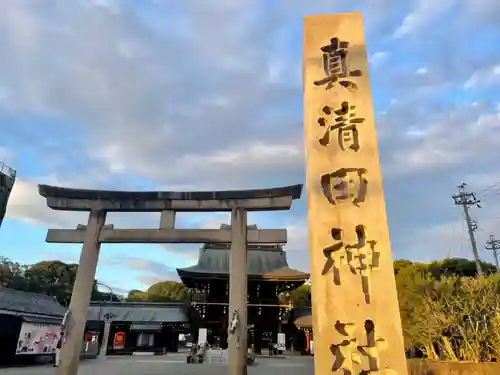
point(356, 321)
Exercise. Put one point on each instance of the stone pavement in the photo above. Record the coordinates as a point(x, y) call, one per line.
point(172, 364)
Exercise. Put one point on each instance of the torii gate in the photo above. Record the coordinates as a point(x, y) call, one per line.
point(99, 202)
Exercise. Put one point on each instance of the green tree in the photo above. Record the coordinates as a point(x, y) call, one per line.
point(466, 309)
point(137, 296)
point(420, 330)
point(168, 291)
point(400, 264)
point(12, 274)
point(301, 297)
point(458, 267)
point(53, 278)
point(56, 279)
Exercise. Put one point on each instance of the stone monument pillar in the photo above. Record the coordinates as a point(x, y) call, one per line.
point(357, 326)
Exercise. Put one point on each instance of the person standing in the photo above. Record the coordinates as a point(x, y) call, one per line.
point(58, 349)
point(60, 342)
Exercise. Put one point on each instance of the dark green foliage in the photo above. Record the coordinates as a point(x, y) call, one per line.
point(49, 277)
point(458, 267)
point(167, 291)
point(300, 297)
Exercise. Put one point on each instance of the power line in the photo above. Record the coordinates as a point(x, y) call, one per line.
point(497, 184)
point(466, 199)
point(490, 191)
point(493, 245)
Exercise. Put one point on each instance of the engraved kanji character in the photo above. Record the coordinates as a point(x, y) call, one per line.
point(335, 66)
point(373, 348)
point(346, 352)
point(335, 254)
point(360, 257)
point(342, 185)
point(345, 124)
point(367, 258)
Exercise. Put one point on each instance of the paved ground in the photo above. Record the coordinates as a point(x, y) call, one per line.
point(172, 364)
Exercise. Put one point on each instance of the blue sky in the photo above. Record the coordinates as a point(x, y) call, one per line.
point(199, 95)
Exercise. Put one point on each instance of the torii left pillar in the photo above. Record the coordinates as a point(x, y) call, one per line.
point(80, 298)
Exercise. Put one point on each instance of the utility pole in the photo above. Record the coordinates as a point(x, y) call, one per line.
point(494, 245)
point(466, 199)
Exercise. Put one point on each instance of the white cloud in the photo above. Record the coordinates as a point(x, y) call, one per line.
point(484, 77)
point(451, 239)
point(458, 136)
point(424, 12)
point(25, 204)
point(297, 247)
point(378, 58)
point(111, 5)
point(483, 11)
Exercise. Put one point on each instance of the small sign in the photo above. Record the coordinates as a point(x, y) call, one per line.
point(281, 345)
point(119, 340)
point(202, 336)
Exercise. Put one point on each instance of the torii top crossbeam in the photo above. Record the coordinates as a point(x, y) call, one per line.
point(69, 199)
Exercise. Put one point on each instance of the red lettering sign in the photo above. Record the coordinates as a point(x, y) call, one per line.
point(119, 340)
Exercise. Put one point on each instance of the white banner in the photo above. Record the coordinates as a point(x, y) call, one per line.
point(37, 338)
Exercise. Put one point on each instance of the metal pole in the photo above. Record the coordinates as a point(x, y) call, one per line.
point(472, 238)
point(466, 199)
point(495, 253)
point(111, 293)
point(237, 340)
point(494, 245)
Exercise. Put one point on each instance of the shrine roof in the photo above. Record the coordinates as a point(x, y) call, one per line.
point(264, 261)
point(30, 305)
point(170, 312)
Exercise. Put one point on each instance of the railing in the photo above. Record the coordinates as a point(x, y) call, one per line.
point(264, 301)
point(8, 171)
point(202, 297)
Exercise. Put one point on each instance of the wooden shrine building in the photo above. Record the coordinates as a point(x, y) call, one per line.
point(268, 276)
point(142, 326)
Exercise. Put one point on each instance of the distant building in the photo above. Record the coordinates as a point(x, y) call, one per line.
point(142, 326)
point(300, 326)
point(30, 326)
point(268, 275)
point(7, 179)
